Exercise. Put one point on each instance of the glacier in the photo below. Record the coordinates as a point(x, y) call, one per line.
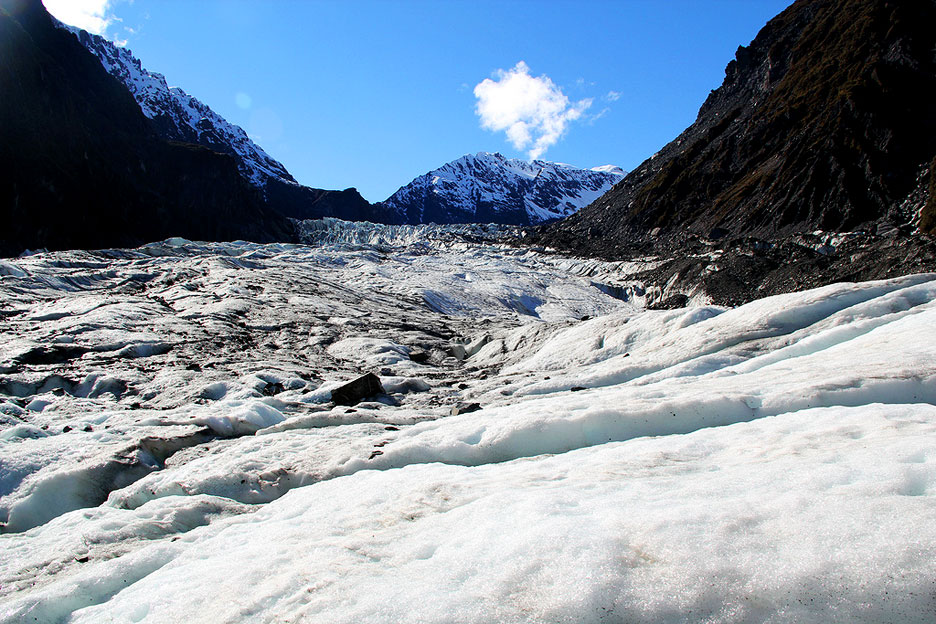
point(169, 450)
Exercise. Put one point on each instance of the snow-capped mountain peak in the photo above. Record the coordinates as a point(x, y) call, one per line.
point(180, 116)
point(488, 187)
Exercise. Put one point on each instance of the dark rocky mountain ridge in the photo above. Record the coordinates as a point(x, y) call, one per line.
point(820, 125)
point(81, 167)
point(178, 116)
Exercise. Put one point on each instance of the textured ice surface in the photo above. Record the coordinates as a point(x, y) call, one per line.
point(169, 451)
point(821, 515)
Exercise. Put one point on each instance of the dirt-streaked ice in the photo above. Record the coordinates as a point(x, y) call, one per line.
point(169, 451)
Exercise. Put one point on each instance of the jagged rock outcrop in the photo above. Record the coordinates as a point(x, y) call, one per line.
point(82, 167)
point(820, 124)
point(489, 188)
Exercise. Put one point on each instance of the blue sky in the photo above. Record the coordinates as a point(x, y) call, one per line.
point(371, 94)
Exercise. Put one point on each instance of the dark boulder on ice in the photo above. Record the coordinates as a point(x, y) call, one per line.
point(272, 388)
point(465, 408)
point(419, 356)
point(353, 392)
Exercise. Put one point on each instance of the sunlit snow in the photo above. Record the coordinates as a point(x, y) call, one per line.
point(169, 451)
point(541, 190)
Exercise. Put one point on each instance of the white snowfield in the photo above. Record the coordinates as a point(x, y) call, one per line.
point(169, 451)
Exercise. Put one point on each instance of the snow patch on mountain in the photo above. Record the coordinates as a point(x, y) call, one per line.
point(489, 187)
point(610, 169)
point(180, 116)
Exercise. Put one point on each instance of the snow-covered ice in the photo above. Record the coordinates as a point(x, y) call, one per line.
point(169, 451)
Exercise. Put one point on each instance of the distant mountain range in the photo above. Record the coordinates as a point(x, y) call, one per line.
point(484, 188)
point(479, 188)
point(98, 151)
point(489, 188)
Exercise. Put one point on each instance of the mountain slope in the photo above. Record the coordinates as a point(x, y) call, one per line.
point(178, 116)
point(819, 125)
point(80, 166)
point(485, 187)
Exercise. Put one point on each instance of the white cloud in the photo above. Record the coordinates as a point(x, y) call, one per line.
point(91, 15)
point(532, 111)
point(593, 118)
point(613, 96)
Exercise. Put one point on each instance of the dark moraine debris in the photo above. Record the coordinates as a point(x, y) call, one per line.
point(356, 391)
point(465, 408)
point(673, 302)
point(51, 354)
point(273, 388)
point(419, 356)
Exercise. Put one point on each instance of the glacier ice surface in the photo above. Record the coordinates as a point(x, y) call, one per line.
point(772, 462)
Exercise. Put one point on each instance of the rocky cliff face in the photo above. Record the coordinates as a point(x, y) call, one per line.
point(820, 124)
point(82, 167)
point(489, 188)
